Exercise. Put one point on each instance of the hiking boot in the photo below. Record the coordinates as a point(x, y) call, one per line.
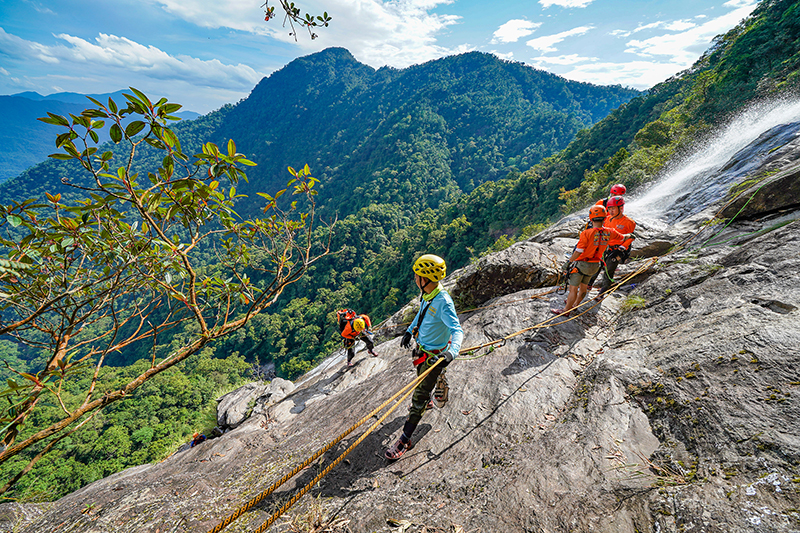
point(440, 392)
point(396, 451)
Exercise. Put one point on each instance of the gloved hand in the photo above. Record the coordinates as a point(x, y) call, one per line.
point(447, 358)
point(406, 342)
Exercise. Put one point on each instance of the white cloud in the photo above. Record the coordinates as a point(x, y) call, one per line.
point(514, 30)
point(675, 25)
point(39, 8)
point(739, 3)
point(565, 3)
point(650, 26)
point(684, 47)
point(637, 74)
point(507, 56)
point(111, 51)
point(547, 43)
point(570, 59)
point(4, 72)
point(620, 33)
point(397, 33)
point(680, 25)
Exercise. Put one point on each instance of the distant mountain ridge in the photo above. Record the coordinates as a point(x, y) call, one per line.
point(440, 128)
point(372, 136)
point(28, 141)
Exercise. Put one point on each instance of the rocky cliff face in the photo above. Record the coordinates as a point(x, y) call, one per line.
point(672, 405)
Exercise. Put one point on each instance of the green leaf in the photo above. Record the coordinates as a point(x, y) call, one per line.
point(231, 148)
point(134, 127)
point(94, 113)
point(112, 105)
point(62, 157)
point(171, 108)
point(141, 95)
point(94, 136)
point(14, 220)
point(56, 120)
point(62, 138)
point(116, 133)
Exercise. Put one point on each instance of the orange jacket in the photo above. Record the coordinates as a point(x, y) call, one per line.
point(623, 225)
point(348, 332)
point(593, 242)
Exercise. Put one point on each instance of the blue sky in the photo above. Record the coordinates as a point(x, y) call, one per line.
point(205, 53)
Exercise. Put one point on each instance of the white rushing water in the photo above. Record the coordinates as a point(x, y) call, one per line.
point(695, 172)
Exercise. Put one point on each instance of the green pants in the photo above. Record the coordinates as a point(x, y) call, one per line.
point(422, 394)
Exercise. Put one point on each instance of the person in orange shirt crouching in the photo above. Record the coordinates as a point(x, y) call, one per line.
point(585, 260)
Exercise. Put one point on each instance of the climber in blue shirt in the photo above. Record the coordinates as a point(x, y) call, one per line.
point(438, 335)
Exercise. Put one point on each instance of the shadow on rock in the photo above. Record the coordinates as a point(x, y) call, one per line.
point(529, 355)
point(435, 456)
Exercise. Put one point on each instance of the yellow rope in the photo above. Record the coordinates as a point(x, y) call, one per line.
point(256, 500)
point(547, 324)
point(339, 459)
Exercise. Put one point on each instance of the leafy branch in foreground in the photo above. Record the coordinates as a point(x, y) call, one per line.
point(293, 17)
point(136, 257)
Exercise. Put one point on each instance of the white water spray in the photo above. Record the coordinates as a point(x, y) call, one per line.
point(696, 173)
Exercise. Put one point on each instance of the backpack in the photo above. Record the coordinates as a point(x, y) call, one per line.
point(344, 316)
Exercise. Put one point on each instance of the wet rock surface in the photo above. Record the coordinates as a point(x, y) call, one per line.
point(671, 405)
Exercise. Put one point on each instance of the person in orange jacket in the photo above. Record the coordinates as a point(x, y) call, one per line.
point(585, 260)
point(616, 190)
point(355, 327)
point(618, 250)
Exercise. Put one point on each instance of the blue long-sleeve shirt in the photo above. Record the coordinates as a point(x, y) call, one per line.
point(440, 323)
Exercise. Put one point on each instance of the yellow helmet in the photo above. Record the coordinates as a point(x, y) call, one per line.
point(359, 325)
point(431, 267)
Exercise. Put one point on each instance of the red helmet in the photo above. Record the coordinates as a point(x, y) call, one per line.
point(615, 201)
point(597, 212)
point(617, 190)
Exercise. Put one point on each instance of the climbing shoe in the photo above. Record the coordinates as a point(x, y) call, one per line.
point(396, 451)
point(349, 364)
point(440, 392)
point(558, 312)
point(373, 354)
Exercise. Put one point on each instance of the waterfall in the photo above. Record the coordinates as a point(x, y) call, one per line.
point(755, 137)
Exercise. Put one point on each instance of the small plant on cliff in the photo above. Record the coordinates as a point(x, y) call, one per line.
point(631, 303)
point(135, 256)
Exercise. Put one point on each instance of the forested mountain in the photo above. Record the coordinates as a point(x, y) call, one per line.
point(29, 141)
point(386, 145)
point(453, 157)
point(439, 129)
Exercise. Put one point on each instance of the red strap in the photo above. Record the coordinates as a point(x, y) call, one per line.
point(421, 359)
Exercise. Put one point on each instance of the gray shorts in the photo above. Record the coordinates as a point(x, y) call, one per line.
point(584, 273)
